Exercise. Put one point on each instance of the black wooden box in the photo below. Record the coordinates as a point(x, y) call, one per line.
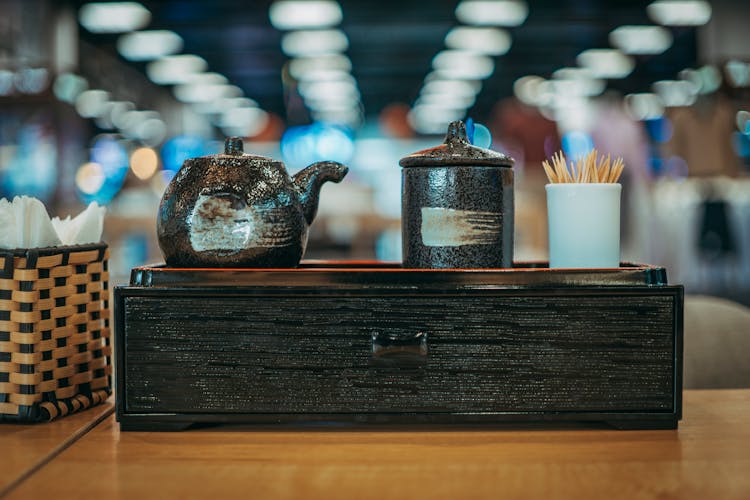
point(368, 342)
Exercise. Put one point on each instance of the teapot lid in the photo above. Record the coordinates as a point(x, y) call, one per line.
point(456, 150)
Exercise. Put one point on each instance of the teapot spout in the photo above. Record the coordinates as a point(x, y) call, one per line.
point(309, 181)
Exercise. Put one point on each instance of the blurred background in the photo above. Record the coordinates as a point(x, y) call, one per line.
point(103, 101)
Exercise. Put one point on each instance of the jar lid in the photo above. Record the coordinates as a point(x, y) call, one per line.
point(456, 150)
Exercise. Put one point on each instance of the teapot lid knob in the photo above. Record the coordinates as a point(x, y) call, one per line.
point(233, 146)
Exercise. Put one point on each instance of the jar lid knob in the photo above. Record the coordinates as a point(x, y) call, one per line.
point(457, 133)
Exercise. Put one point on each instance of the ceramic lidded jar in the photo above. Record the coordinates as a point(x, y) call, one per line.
point(240, 210)
point(457, 205)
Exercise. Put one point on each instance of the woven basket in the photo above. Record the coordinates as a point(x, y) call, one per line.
point(55, 353)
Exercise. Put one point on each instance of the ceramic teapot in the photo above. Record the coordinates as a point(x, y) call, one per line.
point(240, 210)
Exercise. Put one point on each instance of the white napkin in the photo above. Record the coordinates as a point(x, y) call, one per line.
point(24, 223)
point(7, 225)
point(84, 228)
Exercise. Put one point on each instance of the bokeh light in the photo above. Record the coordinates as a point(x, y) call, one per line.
point(112, 159)
point(178, 149)
point(301, 146)
point(89, 178)
point(659, 129)
point(144, 163)
point(576, 144)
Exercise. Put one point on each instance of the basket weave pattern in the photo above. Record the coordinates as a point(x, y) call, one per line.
point(55, 353)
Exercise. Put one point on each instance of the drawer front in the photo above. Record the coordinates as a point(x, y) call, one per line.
point(365, 354)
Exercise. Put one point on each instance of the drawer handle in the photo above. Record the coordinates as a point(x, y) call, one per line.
point(395, 348)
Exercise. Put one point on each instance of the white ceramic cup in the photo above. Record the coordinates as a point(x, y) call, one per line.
point(584, 225)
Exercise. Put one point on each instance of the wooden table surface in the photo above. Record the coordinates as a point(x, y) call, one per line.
point(707, 458)
point(26, 448)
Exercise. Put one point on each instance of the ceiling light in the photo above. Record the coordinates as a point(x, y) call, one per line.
point(573, 116)
point(6, 81)
point(204, 92)
point(606, 63)
point(447, 75)
point(131, 120)
point(113, 17)
point(314, 42)
point(675, 93)
point(492, 13)
point(328, 89)
point(704, 80)
point(104, 120)
point(576, 88)
point(302, 66)
point(572, 73)
point(339, 106)
point(450, 100)
point(576, 82)
point(692, 76)
point(192, 93)
point(433, 119)
point(645, 106)
point(464, 64)
point(456, 87)
point(224, 104)
point(151, 131)
point(743, 121)
point(738, 73)
point(92, 103)
point(290, 15)
point(530, 90)
point(332, 103)
point(238, 117)
point(207, 79)
point(680, 12)
point(175, 69)
point(68, 86)
point(31, 80)
point(333, 106)
point(641, 39)
point(710, 79)
point(244, 122)
point(117, 112)
point(490, 41)
point(325, 75)
point(424, 125)
point(149, 45)
point(442, 111)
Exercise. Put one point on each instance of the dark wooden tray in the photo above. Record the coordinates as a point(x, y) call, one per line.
point(364, 342)
point(373, 273)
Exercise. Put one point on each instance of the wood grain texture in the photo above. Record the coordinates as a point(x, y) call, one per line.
point(504, 352)
point(26, 447)
point(706, 458)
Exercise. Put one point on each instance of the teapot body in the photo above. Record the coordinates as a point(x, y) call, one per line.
point(233, 212)
point(239, 210)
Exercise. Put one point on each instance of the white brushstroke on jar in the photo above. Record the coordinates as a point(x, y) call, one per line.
point(448, 227)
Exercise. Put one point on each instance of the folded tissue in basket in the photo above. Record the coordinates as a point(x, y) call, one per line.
point(24, 223)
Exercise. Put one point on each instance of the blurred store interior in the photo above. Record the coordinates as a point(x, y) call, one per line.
point(103, 101)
